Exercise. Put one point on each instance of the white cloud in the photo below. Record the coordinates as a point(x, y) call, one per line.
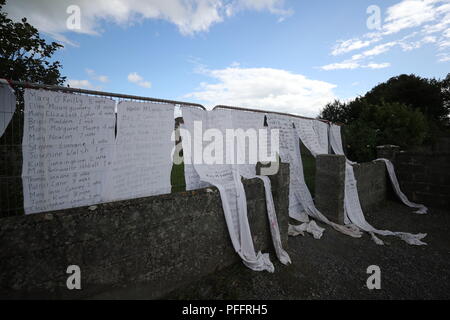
point(265, 88)
point(273, 6)
point(351, 45)
point(423, 17)
point(377, 50)
point(409, 14)
point(83, 84)
point(350, 65)
point(134, 77)
point(373, 65)
point(444, 57)
point(346, 65)
point(103, 78)
point(93, 75)
point(189, 16)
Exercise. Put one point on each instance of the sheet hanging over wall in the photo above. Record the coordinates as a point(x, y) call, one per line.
point(142, 161)
point(299, 192)
point(390, 168)
point(247, 167)
point(7, 105)
point(290, 153)
point(193, 181)
point(227, 179)
point(191, 177)
point(67, 147)
point(352, 206)
point(312, 134)
point(299, 205)
point(321, 129)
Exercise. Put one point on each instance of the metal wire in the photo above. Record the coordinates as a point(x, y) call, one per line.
point(100, 93)
point(271, 112)
point(11, 191)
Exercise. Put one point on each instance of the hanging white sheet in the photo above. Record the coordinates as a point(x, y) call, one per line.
point(321, 130)
point(67, 147)
point(352, 206)
point(247, 168)
point(390, 168)
point(142, 161)
point(228, 181)
point(312, 136)
point(299, 197)
point(191, 177)
point(7, 105)
point(290, 153)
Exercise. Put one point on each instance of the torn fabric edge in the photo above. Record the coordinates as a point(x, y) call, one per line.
point(7, 105)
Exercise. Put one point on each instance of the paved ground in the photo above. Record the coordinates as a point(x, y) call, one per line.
point(335, 266)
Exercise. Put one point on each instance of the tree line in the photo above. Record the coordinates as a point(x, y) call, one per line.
point(407, 110)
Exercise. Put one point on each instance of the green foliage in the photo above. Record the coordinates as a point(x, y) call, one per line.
point(386, 123)
point(418, 93)
point(309, 168)
point(406, 111)
point(24, 55)
point(360, 141)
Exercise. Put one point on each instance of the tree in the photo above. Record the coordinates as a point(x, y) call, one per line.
point(406, 110)
point(386, 123)
point(24, 55)
point(341, 112)
point(418, 93)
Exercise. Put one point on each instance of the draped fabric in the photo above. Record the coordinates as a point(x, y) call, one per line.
point(352, 206)
point(301, 203)
point(7, 105)
point(227, 180)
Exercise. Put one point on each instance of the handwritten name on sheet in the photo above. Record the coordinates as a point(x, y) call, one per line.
point(67, 145)
point(143, 156)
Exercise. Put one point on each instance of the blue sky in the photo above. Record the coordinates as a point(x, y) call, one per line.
point(291, 56)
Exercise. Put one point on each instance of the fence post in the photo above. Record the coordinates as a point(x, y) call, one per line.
point(330, 186)
point(387, 152)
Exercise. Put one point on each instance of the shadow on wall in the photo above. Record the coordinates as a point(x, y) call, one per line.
point(131, 249)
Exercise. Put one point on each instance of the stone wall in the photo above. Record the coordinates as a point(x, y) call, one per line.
point(330, 186)
point(424, 177)
point(373, 187)
point(373, 184)
point(130, 249)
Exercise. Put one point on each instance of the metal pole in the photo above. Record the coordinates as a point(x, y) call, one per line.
point(264, 111)
point(99, 93)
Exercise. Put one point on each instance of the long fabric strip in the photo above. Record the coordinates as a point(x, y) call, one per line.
point(299, 193)
point(390, 168)
point(7, 105)
point(313, 134)
point(255, 121)
point(352, 206)
point(227, 180)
